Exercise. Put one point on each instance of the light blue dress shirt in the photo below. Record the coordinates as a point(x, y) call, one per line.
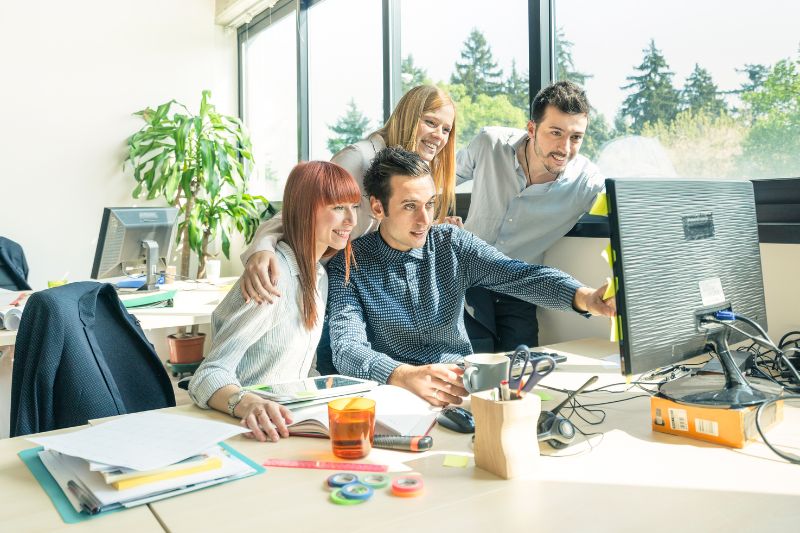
point(522, 222)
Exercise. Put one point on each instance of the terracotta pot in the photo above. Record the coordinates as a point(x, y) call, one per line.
point(187, 349)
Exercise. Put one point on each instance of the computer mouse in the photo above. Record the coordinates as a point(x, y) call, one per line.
point(456, 419)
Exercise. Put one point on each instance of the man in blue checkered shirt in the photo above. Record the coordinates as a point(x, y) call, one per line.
point(399, 318)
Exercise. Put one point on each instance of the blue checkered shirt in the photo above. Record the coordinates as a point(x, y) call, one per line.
point(407, 307)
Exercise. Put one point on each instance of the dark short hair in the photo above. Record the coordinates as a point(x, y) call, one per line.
point(392, 161)
point(566, 96)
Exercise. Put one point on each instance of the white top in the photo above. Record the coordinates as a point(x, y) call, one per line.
point(256, 344)
point(522, 222)
point(355, 159)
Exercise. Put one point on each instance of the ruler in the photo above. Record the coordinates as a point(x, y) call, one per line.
point(326, 465)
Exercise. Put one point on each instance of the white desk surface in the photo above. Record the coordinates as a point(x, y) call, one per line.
point(24, 506)
point(193, 304)
point(633, 479)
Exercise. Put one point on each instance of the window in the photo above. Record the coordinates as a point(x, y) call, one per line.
point(477, 52)
point(269, 93)
point(345, 73)
point(686, 88)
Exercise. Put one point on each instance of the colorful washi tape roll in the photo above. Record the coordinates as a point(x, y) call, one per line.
point(376, 481)
point(338, 499)
point(356, 491)
point(340, 480)
point(407, 486)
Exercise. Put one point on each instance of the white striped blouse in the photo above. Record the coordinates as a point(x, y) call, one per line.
point(267, 343)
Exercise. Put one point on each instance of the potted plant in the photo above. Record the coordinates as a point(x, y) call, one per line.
point(199, 164)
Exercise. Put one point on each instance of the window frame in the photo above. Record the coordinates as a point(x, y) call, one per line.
point(777, 200)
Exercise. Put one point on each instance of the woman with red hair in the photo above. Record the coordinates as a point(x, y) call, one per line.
point(256, 344)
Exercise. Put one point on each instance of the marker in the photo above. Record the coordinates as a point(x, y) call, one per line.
point(326, 465)
point(406, 443)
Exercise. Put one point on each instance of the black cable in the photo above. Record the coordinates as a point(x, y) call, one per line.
point(787, 456)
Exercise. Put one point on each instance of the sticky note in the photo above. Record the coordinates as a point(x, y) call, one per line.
point(611, 290)
point(600, 206)
point(614, 334)
point(543, 395)
point(456, 461)
point(608, 255)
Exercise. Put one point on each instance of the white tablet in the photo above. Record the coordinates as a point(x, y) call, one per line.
point(314, 388)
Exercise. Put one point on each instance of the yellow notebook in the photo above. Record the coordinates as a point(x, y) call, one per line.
point(211, 463)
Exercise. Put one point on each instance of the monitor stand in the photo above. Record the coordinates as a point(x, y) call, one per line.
point(150, 249)
point(727, 390)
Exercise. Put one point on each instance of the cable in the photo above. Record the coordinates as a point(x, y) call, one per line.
point(784, 455)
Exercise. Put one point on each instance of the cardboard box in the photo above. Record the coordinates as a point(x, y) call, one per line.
point(729, 427)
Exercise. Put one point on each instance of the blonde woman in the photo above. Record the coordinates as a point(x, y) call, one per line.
point(424, 121)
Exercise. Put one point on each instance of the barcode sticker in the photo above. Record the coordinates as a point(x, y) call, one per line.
point(707, 427)
point(678, 419)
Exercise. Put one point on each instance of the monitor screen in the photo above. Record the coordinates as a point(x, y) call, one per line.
point(123, 230)
point(681, 249)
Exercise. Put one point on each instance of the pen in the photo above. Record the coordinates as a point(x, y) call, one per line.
point(505, 395)
point(86, 499)
point(405, 443)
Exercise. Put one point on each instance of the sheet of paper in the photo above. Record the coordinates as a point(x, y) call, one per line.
point(142, 441)
point(108, 495)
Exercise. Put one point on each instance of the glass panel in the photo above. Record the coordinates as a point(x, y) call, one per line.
point(477, 52)
point(270, 104)
point(686, 88)
point(345, 73)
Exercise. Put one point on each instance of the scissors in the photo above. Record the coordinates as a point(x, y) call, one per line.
point(540, 366)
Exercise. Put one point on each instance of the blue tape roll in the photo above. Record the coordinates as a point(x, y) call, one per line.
point(340, 480)
point(356, 491)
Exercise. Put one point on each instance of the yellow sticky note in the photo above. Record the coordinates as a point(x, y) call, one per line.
point(611, 289)
point(456, 461)
point(614, 335)
point(600, 206)
point(608, 255)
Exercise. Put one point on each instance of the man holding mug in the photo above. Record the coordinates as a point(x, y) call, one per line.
point(398, 318)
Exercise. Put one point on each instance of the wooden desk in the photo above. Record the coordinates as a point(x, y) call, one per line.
point(193, 304)
point(632, 480)
point(24, 506)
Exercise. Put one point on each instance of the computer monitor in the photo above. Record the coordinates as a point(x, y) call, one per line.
point(134, 240)
point(683, 249)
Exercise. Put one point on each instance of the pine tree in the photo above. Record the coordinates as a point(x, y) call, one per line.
point(653, 98)
point(349, 128)
point(564, 61)
point(517, 88)
point(478, 71)
point(756, 74)
point(412, 75)
point(700, 93)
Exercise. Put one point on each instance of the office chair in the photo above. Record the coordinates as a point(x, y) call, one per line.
point(80, 355)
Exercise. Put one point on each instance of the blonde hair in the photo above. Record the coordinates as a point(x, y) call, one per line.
point(401, 130)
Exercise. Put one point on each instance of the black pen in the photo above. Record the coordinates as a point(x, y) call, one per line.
point(407, 443)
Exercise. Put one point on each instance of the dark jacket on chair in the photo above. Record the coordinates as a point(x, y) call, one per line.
point(81, 355)
point(13, 267)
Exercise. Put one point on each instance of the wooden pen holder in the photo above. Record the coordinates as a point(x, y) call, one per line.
point(506, 442)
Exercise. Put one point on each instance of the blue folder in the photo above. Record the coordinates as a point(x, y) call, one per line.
point(31, 459)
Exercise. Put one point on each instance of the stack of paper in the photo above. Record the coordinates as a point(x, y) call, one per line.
point(141, 458)
point(11, 306)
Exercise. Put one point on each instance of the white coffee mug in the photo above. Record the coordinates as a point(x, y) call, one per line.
point(484, 371)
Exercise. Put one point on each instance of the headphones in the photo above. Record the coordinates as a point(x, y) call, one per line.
point(556, 430)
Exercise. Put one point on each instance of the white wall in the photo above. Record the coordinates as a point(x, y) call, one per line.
point(72, 75)
point(581, 258)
